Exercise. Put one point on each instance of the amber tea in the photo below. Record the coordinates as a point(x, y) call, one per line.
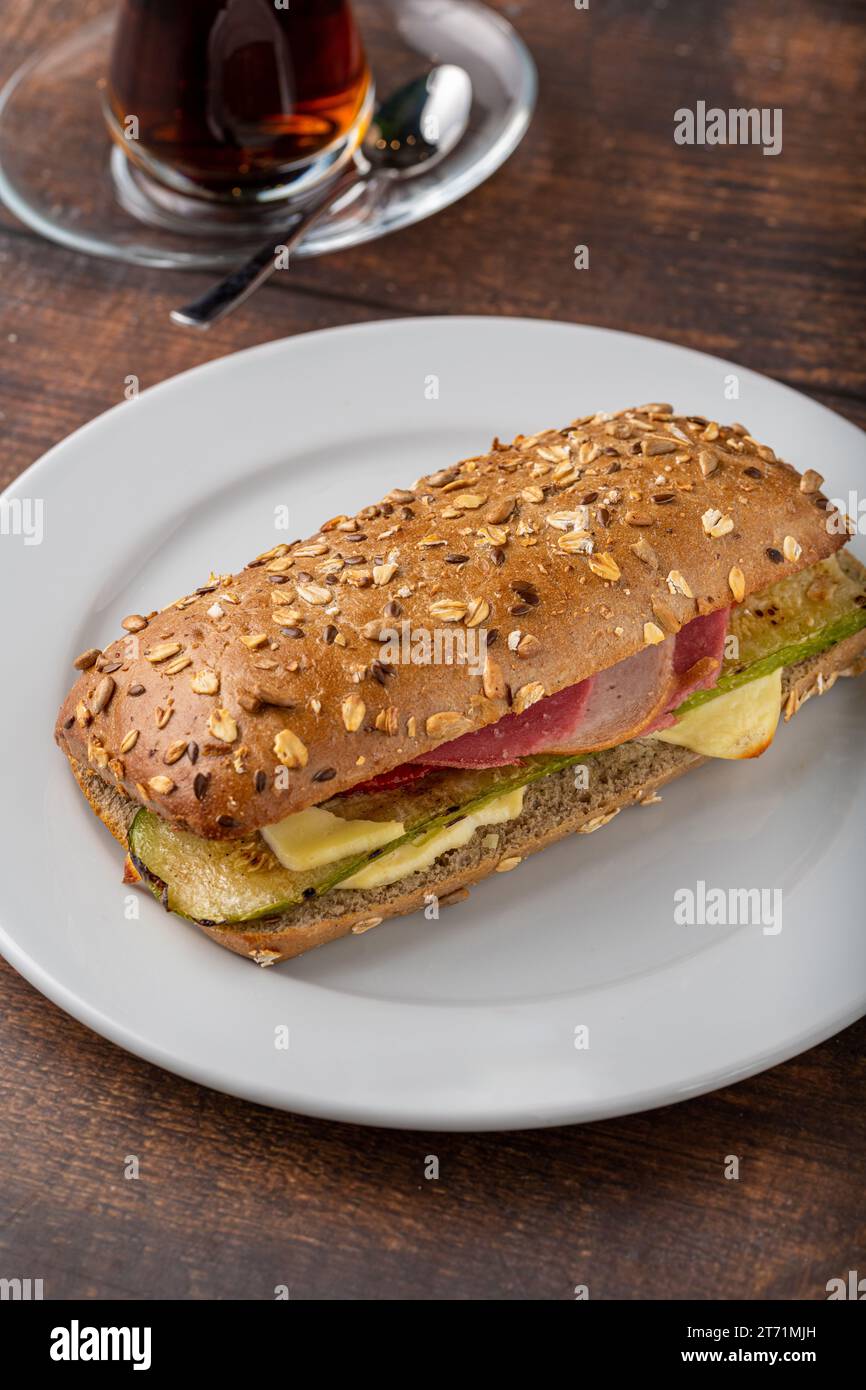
point(232, 97)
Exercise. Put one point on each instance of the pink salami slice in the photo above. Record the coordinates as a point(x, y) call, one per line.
point(624, 701)
point(698, 656)
point(634, 697)
point(701, 639)
point(546, 723)
point(596, 713)
point(395, 777)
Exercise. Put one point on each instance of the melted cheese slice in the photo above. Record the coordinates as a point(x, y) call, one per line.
point(409, 858)
point(740, 724)
point(313, 838)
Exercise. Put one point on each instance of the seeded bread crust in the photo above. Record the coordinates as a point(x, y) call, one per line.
point(262, 693)
point(553, 808)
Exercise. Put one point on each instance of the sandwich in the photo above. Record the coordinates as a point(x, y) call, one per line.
point(515, 648)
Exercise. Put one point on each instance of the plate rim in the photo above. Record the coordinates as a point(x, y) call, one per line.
point(396, 1115)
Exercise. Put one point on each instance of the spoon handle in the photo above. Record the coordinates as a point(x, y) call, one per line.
point(223, 297)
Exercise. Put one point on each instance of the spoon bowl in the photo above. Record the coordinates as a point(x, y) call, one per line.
point(419, 124)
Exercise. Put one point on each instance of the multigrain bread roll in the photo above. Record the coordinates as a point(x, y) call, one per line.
point(600, 569)
point(278, 665)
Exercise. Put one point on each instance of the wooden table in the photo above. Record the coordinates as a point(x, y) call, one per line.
point(757, 259)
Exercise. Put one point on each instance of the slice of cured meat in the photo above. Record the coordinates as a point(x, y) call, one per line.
point(625, 700)
point(394, 777)
point(546, 724)
point(700, 641)
point(634, 697)
point(698, 655)
point(597, 713)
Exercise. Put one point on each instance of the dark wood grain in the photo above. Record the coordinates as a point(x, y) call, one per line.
point(234, 1199)
point(756, 259)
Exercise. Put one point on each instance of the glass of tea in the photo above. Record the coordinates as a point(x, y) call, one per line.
point(237, 101)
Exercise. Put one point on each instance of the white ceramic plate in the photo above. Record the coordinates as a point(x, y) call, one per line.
point(468, 1022)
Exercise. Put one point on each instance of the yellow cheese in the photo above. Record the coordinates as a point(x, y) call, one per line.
point(312, 838)
point(409, 858)
point(740, 724)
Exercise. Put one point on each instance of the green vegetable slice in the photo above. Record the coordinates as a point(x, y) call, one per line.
point(736, 676)
point(211, 880)
point(798, 608)
point(798, 618)
point(230, 881)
